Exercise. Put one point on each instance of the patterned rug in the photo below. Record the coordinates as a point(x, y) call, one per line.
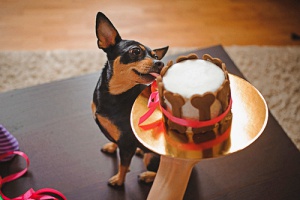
point(274, 71)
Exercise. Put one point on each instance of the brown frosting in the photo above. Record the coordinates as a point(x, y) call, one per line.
point(203, 104)
point(177, 102)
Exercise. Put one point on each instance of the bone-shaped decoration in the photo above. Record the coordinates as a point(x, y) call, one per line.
point(225, 71)
point(216, 61)
point(225, 123)
point(222, 95)
point(203, 103)
point(177, 102)
point(188, 57)
point(160, 87)
point(165, 68)
point(207, 136)
point(199, 138)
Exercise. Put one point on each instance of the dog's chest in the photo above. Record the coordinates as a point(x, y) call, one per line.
point(113, 111)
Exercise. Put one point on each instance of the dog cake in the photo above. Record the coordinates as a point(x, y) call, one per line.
point(195, 96)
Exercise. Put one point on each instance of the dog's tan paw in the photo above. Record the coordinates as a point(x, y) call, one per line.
point(116, 181)
point(139, 152)
point(109, 148)
point(147, 177)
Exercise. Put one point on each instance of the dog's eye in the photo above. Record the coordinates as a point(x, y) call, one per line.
point(136, 51)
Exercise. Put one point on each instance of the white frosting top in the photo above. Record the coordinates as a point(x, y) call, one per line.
point(191, 77)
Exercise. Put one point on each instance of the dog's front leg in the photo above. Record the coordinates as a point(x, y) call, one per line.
point(119, 179)
point(126, 155)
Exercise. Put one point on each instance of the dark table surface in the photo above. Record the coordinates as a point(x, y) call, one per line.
point(54, 126)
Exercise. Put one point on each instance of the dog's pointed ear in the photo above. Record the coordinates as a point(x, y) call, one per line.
point(161, 52)
point(106, 33)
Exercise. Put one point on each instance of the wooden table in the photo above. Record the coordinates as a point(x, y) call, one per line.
point(55, 128)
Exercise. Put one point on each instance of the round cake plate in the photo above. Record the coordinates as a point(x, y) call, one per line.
point(250, 116)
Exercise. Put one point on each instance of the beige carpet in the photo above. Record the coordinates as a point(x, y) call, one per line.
point(275, 71)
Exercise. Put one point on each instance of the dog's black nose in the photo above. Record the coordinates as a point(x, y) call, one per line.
point(158, 64)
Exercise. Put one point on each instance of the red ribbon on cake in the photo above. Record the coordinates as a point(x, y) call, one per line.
point(41, 194)
point(153, 103)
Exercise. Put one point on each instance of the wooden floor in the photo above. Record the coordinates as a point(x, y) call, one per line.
point(69, 24)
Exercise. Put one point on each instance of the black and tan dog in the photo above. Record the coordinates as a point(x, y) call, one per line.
point(129, 68)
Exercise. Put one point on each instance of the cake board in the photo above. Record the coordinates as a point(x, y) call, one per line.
point(250, 116)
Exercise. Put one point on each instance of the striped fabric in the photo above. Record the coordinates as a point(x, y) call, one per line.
point(7, 143)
